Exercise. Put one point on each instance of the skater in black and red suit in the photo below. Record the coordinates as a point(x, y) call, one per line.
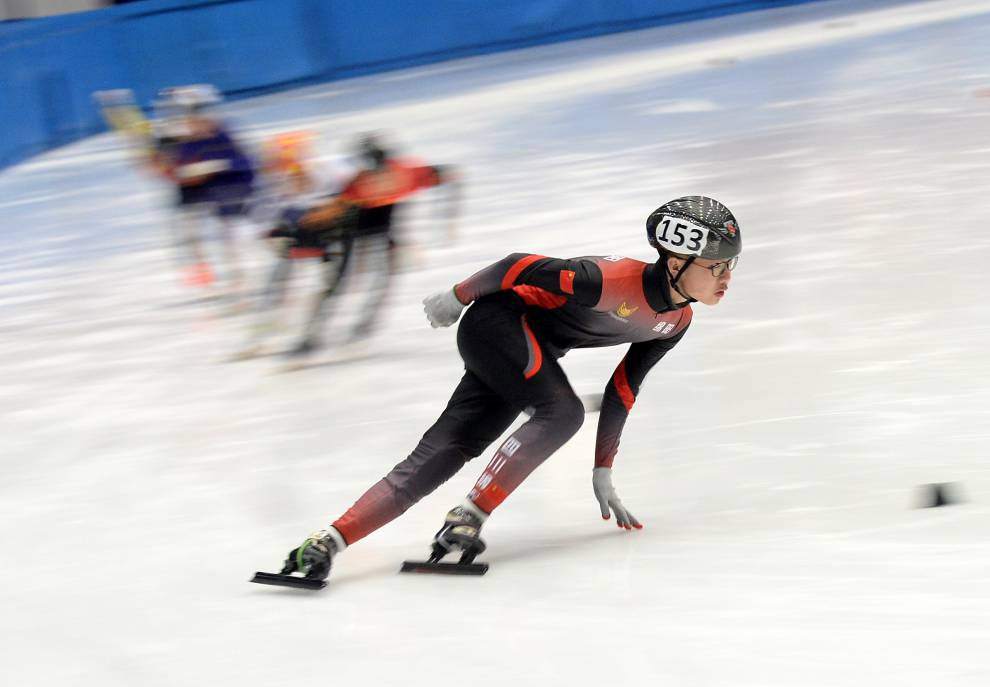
point(526, 312)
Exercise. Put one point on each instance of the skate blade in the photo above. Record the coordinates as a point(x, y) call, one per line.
point(289, 368)
point(247, 354)
point(444, 568)
point(288, 581)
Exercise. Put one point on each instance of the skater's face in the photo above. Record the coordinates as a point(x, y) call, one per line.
point(704, 280)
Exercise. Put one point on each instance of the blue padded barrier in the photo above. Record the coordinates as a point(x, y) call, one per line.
point(50, 67)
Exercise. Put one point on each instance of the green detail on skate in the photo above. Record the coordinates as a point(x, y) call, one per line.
point(300, 551)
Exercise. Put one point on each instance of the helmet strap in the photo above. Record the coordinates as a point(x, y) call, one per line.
point(675, 278)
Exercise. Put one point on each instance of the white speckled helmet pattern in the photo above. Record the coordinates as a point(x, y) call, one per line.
point(694, 225)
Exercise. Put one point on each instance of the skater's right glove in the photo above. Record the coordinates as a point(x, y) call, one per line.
point(443, 308)
point(601, 480)
point(313, 558)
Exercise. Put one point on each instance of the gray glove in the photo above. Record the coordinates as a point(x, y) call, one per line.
point(601, 480)
point(443, 308)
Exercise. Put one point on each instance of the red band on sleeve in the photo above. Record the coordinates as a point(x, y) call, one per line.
point(510, 277)
point(533, 295)
point(605, 462)
point(626, 394)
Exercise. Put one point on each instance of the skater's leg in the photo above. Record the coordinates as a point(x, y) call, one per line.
point(187, 226)
point(335, 268)
point(285, 238)
point(273, 294)
point(230, 196)
point(266, 315)
point(377, 264)
point(472, 420)
point(500, 347)
point(228, 240)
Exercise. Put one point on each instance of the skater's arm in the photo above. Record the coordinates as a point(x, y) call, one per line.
point(576, 279)
point(325, 214)
point(548, 279)
point(368, 189)
point(412, 175)
point(617, 401)
point(419, 176)
point(621, 392)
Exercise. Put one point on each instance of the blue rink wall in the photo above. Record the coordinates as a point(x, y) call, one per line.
point(50, 67)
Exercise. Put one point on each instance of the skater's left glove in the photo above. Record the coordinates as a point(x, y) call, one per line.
point(442, 309)
point(608, 500)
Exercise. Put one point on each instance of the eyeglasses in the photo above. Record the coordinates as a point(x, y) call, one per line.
point(720, 268)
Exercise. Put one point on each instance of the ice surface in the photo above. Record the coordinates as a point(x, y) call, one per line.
point(775, 456)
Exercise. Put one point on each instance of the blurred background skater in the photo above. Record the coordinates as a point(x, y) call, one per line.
point(293, 182)
point(355, 231)
point(215, 182)
point(153, 143)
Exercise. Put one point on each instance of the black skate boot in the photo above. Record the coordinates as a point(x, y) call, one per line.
point(461, 531)
point(301, 355)
point(307, 346)
point(312, 558)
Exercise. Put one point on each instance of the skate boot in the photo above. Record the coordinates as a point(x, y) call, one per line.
point(461, 531)
point(312, 558)
point(307, 346)
point(301, 356)
point(362, 331)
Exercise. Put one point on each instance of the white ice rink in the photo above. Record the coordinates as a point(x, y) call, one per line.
point(774, 456)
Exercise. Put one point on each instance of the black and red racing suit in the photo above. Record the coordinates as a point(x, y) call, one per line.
point(527, 311)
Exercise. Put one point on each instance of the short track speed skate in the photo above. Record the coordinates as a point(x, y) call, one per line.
point(311, 561)
point(460, 532)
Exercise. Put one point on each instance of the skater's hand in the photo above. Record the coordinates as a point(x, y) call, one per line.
point(601, 480)
point(443, 308)
point(323, 215)
point(446, 174)
point(195, 172)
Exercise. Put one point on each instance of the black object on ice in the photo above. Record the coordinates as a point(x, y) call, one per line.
point(939, 494)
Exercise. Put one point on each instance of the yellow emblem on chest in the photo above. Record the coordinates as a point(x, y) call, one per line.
point(625, 311)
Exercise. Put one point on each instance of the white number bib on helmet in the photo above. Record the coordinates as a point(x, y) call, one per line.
point(679, 235)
